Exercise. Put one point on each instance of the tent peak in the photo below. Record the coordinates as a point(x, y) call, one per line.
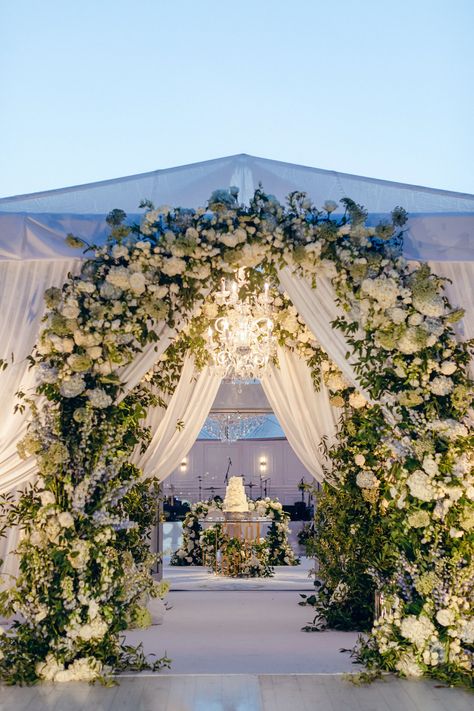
point(237, 158)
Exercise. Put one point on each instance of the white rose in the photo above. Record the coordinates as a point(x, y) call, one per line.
point(448, 367)
point(359, 460)
point(357, 400)
point(119, 250)
point(445, 617)
point(71, 309)
point(94, 352)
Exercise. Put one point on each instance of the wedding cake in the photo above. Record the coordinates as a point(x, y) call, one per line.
point(235, 499)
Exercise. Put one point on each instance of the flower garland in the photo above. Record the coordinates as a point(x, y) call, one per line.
point(398, 323)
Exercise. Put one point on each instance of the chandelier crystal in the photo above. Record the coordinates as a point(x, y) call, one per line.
point(242, 343)
point(231, 426)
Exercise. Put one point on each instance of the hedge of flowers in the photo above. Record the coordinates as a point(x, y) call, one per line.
point(75, 564)
point(198, 546)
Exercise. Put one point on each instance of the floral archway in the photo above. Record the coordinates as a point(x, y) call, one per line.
point(84, 563)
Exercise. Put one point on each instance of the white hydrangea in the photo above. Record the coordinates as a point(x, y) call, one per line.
point(430, 466)
point(432, 306)
point(72, 386)
point(173, 266)
point(409, 342)
point(449, 428)
point(384, 291)
point(47, 374)
point(99, 398)
point(420, 486)
point(138, 282)
point(49, 669)
point(417, 629)
point(408, 666)
point(396, 314)
point(467, 631)
point(367, 480)
point(441, 385)
point(65, 519)
point(119, 277)
point(47, 497)
point(85, 669)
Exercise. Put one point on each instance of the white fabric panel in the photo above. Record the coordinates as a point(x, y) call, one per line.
point(460, 293)
point(22, 286)
point(132, 373)
point(43, 236)
point(439, 237)
point(305, 415)
point(317, 307)
point(190, 404)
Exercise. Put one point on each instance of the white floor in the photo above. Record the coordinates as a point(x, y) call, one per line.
point(193, 577)
point(238, 693)
point(244, 632)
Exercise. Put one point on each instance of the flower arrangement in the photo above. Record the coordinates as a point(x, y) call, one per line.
point(199, 547)
point(399, 326)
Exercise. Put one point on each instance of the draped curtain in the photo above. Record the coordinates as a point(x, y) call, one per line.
point(189, 405)
point(317, 307)
point(305, 415)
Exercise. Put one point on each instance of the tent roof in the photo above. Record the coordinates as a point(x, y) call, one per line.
point(191, 185)
point(33, 226)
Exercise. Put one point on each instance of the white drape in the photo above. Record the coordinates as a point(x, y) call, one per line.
point(306, 415)
point(460, 293)
point(317, 307)
point(22, 287)
point(190, 405)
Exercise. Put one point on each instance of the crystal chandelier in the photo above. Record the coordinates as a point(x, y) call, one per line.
point(242, 341)
point(231, 426)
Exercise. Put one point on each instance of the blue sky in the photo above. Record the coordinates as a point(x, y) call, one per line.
point(99, 89)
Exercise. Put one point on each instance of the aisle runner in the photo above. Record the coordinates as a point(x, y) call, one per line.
point(199, 578)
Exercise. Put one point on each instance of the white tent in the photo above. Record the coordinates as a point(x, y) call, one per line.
point(34, 255)
point(32, 226)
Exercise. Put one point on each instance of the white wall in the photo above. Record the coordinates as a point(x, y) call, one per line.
point(210, 459)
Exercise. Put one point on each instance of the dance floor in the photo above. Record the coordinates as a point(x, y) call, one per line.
point(238, 693)
point(194, 577)
point(243, 632)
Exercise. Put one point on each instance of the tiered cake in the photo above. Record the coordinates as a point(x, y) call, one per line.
point(235, 499)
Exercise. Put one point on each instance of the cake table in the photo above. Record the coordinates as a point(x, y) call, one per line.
point(244, 527)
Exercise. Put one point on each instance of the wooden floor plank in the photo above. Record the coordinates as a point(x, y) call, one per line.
point(238, 693)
